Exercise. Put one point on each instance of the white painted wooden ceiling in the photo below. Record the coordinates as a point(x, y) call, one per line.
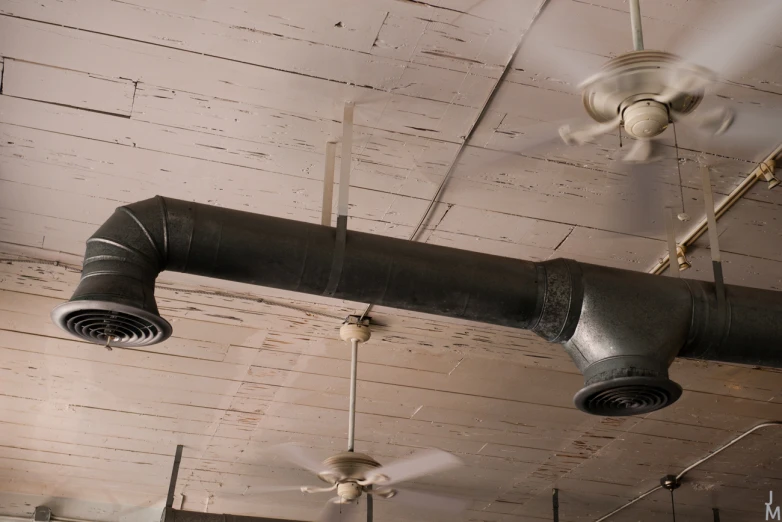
point(230, 102)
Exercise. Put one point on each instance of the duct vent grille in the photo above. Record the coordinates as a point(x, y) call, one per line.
point(627, 396)
point(123, 326)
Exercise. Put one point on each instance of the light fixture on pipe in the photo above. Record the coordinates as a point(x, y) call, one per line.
point(765, 172)
point(681, 258)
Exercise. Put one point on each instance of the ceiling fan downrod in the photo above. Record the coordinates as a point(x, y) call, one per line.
point(354, 330)
point(635, 24)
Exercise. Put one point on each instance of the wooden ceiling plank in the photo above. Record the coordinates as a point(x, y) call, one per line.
point(33, 81)
point(237, 43)
point(172, 68)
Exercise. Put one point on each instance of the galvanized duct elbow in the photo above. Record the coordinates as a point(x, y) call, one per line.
point(622, 329)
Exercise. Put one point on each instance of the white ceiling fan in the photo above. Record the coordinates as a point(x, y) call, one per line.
point(643, 91)
point(352, 475)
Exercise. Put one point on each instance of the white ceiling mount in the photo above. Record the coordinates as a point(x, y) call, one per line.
point(355, 328)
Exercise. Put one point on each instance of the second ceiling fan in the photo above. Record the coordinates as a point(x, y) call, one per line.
point(643, 91)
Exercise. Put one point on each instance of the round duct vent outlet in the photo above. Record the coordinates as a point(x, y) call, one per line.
point(625, 396)
point(119, 325)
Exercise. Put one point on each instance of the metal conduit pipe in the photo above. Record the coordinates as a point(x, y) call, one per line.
point(764, 170)
point(622, 329)
point(690, 468)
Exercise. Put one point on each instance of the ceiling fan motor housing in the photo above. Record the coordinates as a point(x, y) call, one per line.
point(629, 84)
point(645, 119)
point(348, 466)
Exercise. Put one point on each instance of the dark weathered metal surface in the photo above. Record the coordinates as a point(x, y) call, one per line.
point(622, 329)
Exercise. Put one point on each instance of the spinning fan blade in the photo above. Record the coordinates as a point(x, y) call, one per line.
point(272, 489)
point(638, 206)
point(643, 151)
point(684, 78)
point(337, 511)
point(746, 124)
point(430, 501)
point(711, 122)
point(538, 139)
point(540, 136)
point(581, 136)
point(299, 456)
point(735, 37)
point(553, 50)
point(424, 463)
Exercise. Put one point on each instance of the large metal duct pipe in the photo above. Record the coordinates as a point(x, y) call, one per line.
point(622, 329)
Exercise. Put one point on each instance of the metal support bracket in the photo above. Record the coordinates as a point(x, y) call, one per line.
point(328, 183)
point(174, 474)
point(711, 218)
point(338, 259)
point(342, 201)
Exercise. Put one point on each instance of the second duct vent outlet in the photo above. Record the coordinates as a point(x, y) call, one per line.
point(621, 328)
point(622, 332)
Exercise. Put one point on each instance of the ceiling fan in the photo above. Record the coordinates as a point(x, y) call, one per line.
point(643, 91)
point(352, 475)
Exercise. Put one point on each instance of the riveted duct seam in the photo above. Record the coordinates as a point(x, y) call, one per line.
point(622, 329)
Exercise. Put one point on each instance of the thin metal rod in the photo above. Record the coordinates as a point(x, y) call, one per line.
point(555, 504)
point(371, 507)
point(690, 468)
point(673, 508)
point(670, 228)
point(353, 375)
point(635, 24)
point(716, 512)
point(344, 167)
point(174, 475)
point(328, 183)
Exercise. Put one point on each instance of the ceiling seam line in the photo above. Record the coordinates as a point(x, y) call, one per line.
point(484, 110)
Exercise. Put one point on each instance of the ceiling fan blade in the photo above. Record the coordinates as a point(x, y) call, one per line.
point(639, 199)
point(640, 152)
point(299, 456)
point(711, 122)
point(431, 501)
point(272, 489)
point(580, 136)
point(505, 153)
point(753, 131)
point(536, 137)
point(556, 54)
point(418, 465)
point(337, 511)
point(683, 78)
point(735, 37)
